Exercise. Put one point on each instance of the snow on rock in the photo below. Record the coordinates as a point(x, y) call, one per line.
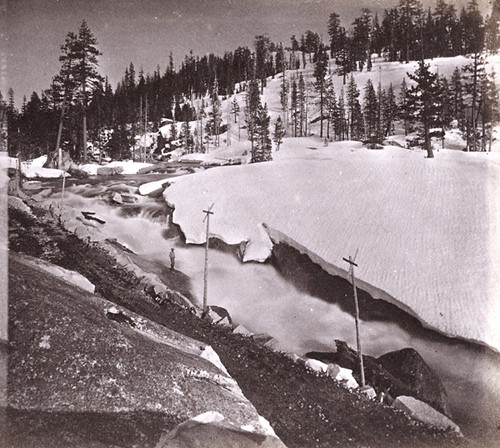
point(152, 187)
point(210, 354)
point(316, 366)
point(427, 230)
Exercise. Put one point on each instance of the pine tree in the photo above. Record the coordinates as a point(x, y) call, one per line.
point(474, 74)
point(252, 107)
point(284, 97)
point(345, 58)
point(341, 127)
point(186, 136)
point(390, 111)
point(354, 109)
point(361, 38)
point(335, 33)
point(294, 105)
point(403, 106)
point(423, 101)
point(301, 96)
point(492, 28)
point(331, 105)
point(262, 151)
point(320, 71)
point(279, 132)
point(491, 109)
point(456, 95)
point(235, 108)
point(216, 114)
point(82, 52)
point(410, 12)
point(370, 110)
point(173, 132)
point(262, 44)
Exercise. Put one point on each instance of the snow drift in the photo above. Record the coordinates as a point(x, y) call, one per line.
point(426, 229)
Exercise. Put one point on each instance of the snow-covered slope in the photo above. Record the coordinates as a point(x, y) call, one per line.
point(427, 230)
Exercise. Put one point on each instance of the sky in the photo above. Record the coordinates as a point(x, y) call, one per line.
point(146, 31)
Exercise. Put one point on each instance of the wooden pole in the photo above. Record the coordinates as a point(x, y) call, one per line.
point(358, 340)
point(205, 273)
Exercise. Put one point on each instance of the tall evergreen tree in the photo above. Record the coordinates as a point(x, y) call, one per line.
point(252, 107)
point(356, 126)
point(335, 33)
point(423, 101)
point(390, 111)
point(81, 50)
point(371, 116)
point(320, 71)
point(263, 146)
point(404, 113)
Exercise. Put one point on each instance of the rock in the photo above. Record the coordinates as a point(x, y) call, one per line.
point(240, 329)
point(17, 204)
point(32, 185)
point(68, 276)
point(211, 429)
point(342, 375)
point(67, 356)
point(402, 372)
point(219, 315)
point(209, 354)
point(78, 173)
point(179, 299)
point(117, 197)
point(42, 195)
point(109, 170)
point(93, 217)
point(333, 370)
point(316, 366)
point(423, 412)
point(410, 368)
point(369, 392)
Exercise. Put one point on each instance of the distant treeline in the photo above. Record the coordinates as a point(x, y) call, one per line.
point(403, 33)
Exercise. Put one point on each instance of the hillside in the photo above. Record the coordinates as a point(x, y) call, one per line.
point(304, 409)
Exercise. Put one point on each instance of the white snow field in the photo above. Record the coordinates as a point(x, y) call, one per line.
point(427, 230)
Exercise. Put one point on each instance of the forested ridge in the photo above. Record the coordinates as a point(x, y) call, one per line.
point(81, 106)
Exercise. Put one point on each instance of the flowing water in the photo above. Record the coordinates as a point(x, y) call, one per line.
point(259, 297)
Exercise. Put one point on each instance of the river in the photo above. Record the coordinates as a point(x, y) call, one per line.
point(259, 297)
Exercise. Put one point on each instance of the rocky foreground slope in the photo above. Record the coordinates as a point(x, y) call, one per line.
point(107, 369)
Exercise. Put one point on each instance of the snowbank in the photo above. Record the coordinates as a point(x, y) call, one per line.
point(129, 167)
point(33, 169)
point(426, 229)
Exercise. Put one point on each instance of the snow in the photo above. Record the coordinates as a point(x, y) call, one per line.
point(33, 169)
point(426, 229)
point(129, 167)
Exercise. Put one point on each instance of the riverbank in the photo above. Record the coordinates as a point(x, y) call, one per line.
point(304, 409)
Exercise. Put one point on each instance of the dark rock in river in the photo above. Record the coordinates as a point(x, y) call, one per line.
point(403, 372)
point(409, 367)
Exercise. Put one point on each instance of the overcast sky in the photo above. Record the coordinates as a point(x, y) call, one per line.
point(146, 31)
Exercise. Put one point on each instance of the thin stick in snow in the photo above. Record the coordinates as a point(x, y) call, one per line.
point(205, 274)
point(351, 262)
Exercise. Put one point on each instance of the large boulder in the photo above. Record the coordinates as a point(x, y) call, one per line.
point(74, 353)
point(423, 412)
point(402, 372)
point(212, 429)
point(409, 367)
